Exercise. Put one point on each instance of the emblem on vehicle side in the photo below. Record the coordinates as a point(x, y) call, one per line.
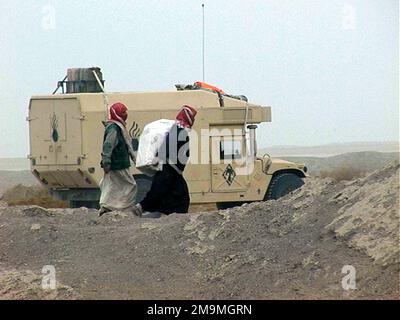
point(54, 127)
point(229, 174)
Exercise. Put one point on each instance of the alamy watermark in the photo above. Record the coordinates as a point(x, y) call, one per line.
point(349, 17)
point(48, 21)
point(218, 146)
point(349, 280)
point(49, 281)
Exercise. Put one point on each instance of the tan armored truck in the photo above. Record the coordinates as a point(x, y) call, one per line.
point(66, 135)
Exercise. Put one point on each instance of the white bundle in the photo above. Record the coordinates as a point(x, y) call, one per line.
point(150, 141)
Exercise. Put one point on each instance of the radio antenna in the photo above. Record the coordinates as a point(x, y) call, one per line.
point(204, 77)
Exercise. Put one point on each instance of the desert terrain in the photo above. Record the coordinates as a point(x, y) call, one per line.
point(292, 248)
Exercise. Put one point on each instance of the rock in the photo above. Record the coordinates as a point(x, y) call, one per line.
point(36, 211)
point(119, 215)
point(35, 226)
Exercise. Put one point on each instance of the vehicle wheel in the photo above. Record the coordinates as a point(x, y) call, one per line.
point(227, 205)
point(143, 186)
point(84, 203)
point(282, 184)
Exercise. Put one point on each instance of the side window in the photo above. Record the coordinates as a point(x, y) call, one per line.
point(230, 149)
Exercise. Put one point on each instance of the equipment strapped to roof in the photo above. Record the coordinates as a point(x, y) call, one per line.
point(204, 85)
point(208, 87)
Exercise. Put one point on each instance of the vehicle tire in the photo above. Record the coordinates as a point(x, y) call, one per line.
point(143, 186)
point(227, 205)
point(282, 184)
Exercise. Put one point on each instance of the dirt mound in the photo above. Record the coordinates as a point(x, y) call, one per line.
point(21, 191)
point(23, 285)
point(294, 247)
point(9, 179)
point(31, 195)
point(369, 216)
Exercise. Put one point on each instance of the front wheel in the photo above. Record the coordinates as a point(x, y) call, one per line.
point(282, 184)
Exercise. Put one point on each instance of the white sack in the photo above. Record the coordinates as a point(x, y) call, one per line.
point(150, 141)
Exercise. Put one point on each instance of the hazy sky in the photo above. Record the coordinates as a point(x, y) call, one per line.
point(329, 69)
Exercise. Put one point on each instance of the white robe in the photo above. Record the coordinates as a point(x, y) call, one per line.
point(118, 190)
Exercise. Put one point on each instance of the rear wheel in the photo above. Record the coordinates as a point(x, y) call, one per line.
point(143, 186)
point(282, 184)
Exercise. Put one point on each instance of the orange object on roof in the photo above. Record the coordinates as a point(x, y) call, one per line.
point(209, 87)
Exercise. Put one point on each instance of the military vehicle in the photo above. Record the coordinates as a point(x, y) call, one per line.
point(66, 135)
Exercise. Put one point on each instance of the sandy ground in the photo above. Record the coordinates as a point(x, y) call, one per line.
point(292, 248)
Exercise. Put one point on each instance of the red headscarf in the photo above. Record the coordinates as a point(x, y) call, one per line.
point(115, 113)
point(186, 116)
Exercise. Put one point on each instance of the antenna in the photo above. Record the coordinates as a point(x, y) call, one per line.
point(204, 78)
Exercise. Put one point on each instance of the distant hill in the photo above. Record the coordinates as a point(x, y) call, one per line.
point(330, 149)
point(11, 164)
point(364, 161)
